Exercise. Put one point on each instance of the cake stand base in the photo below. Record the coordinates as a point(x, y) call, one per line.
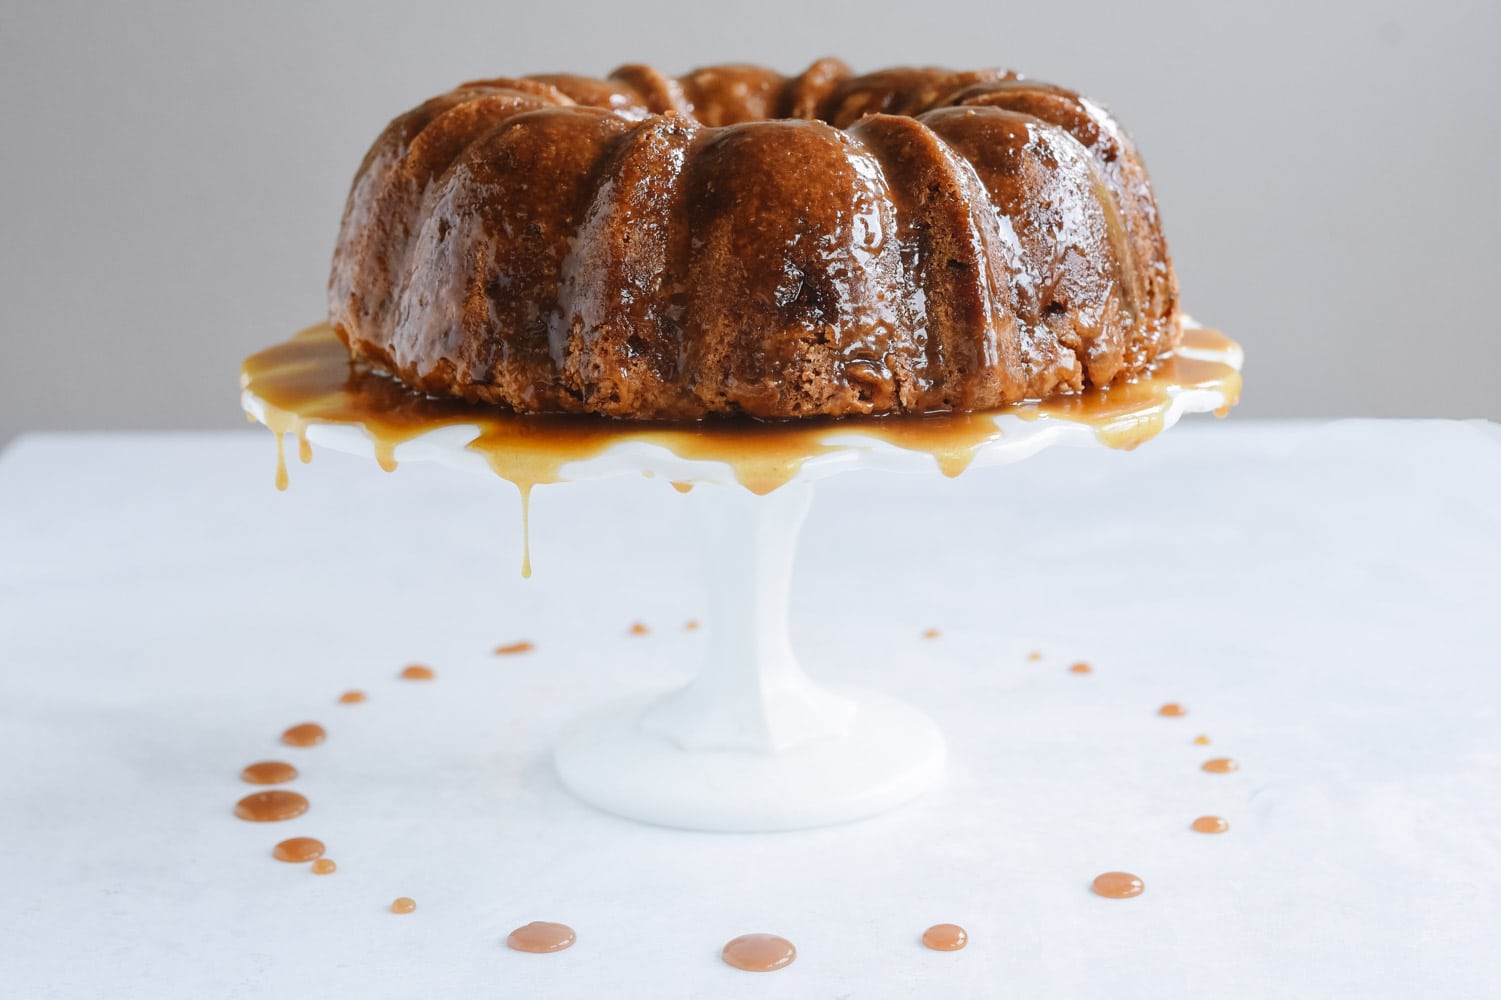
point(889, 753)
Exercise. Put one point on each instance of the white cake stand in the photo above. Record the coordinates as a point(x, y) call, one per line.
point(752, 743)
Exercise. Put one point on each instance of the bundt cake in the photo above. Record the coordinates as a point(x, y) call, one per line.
point(738, 242)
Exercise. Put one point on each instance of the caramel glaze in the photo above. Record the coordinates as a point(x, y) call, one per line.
point(1118, 885)
point(945, 937)
point(271, 807)
point(540, 937)
point(311, 380)
point(304, 734)
point(759, 953)
point(298, 849)
point(268, 772)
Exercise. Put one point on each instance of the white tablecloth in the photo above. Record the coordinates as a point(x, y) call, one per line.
point(1324, 600)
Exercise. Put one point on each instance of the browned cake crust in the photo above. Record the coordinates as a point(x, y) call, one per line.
point(734, 241)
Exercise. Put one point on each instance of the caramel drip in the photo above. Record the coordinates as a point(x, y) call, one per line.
point(403, 904)
point(304, 448)
point(1209, 824)
point(1201, 741)
point(352, 697)
point(945, 937)
point(271, 807)
point(281, 459)
point(1081, 668)
point(1126, 414)
point(1172, 710)
point(1118, 885)
point(310, 379)
point(759, 953)
point(639, 628)
point(1221, 765)
point(682, 487)
point(540, 937)
point(323, 866)
point(417, 672)
point(526, 529)
point(304, 734)
point(511, 649)
point(298, 849)
point(268, 772)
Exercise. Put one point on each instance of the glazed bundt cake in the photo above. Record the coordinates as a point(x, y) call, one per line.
point(734, 241)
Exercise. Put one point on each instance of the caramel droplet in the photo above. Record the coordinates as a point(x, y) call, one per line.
point(1081, 668)
point(1221, 765)
point(268, 772)
point(945, 937)
point(298, 849)
point(511, 649)
point(691, 625)
point(351, 697)
point(1118, 885)
point(930, 633)
point(540, 937)
point(682, 487)
point(637, 628)
point(1210, 824)
point(759, 953)
point(323, 866)
point(1201, 741)
point(304, 734)
point(417, 672)
point(403, 904)
point(1172, 710)
point(1034, 655)
point(271, 807)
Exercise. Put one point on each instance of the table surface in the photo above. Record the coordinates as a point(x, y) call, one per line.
point(1323, 599)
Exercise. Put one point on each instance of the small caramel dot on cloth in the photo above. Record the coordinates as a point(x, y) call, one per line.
point(1118, 885)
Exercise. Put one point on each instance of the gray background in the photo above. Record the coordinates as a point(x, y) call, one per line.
point(171, 177)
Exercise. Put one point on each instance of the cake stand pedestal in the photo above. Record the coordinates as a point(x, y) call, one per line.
point(752, 743)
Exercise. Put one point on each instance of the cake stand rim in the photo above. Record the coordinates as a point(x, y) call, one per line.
point(850, 447)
